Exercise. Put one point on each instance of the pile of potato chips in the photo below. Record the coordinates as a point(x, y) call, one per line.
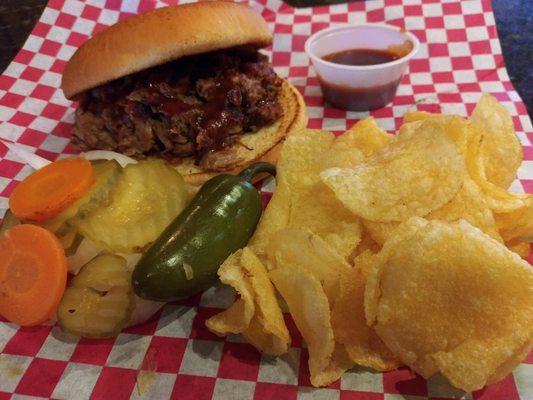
point(394, 250)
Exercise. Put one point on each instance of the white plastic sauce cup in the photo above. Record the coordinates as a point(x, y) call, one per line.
point(359, 87)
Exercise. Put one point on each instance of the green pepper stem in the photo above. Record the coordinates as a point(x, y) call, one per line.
point(249, 173)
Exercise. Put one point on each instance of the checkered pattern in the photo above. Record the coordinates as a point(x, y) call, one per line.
point(173, 355)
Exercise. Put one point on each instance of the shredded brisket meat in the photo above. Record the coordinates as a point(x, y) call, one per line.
point(188, 107)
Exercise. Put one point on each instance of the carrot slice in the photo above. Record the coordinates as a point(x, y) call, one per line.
point(33, 274)
point(51, 189)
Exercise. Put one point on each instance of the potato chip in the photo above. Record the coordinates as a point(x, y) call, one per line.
point(236, 318)
point(470, 205)
point(313, 204)
point(317, 209)
point(300, 156)
point(453, 126)
point(340, 362)
point(267, 330)
point(521, 248)
point(275, 217)
point(364, 347)
point(380, 231)
point(497, 198)
point(302, 200)
point(405, 178)
point(501, 150)
point(366, 136)
point(307, 250)
point(342, 154)
point(367, 244)
point(517, 224)
point(295, 173)
point(256, 314)
point(451, 299)
point(365, 262)
point(353, 146)
point(372, 291)
point(264, 339)
point(309, 308)
point(412, 116)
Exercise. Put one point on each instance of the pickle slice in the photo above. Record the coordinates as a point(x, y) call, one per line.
point(146, 198)
point(99, 300)
point(105, 174)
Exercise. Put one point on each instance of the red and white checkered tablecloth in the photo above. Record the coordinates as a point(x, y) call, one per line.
point(460, 57)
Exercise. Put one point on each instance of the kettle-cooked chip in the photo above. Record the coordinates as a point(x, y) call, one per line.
point(365, 136)
point(309, 307)
point(497, 198)
point(275, 217)
point(237, 317)
point(501, 150)
point(302, 200)
point(405, 178)
point(318, 210)
point(521, 248)
point(367, 244)
point(404, 231)
point(267, 330)
point(303, 248)
point(517, 224)
point(364, 347)
point(412, 116)
point(256, 314)
point(470, 205)
point(300, 157)
point(338, 364)
point(296, 172)
point(453, 126)
point(353, 146)
point(380, 231)
point(454, 300)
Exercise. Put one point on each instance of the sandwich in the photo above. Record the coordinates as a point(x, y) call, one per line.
point(185, 83)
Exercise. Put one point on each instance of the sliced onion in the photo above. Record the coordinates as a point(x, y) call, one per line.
point(143, 311)
point(85, 252)
point(94, 155)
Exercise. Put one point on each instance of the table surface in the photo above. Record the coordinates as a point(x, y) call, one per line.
point(514, 19)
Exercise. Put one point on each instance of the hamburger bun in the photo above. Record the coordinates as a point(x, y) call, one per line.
point(159, 36)
point(167, 34)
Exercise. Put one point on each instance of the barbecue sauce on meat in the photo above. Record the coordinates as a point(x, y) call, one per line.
point(189, 107)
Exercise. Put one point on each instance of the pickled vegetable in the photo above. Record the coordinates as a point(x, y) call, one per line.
point(81, 253)
point(146, 198)
point(99, 301)
point(218, 221)
point(68, 239)
point(52, 189)
point(106, 174)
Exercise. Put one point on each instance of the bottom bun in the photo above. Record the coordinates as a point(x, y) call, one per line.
point(263, 145)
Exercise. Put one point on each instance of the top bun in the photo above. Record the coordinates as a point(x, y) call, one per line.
point(160, 36)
